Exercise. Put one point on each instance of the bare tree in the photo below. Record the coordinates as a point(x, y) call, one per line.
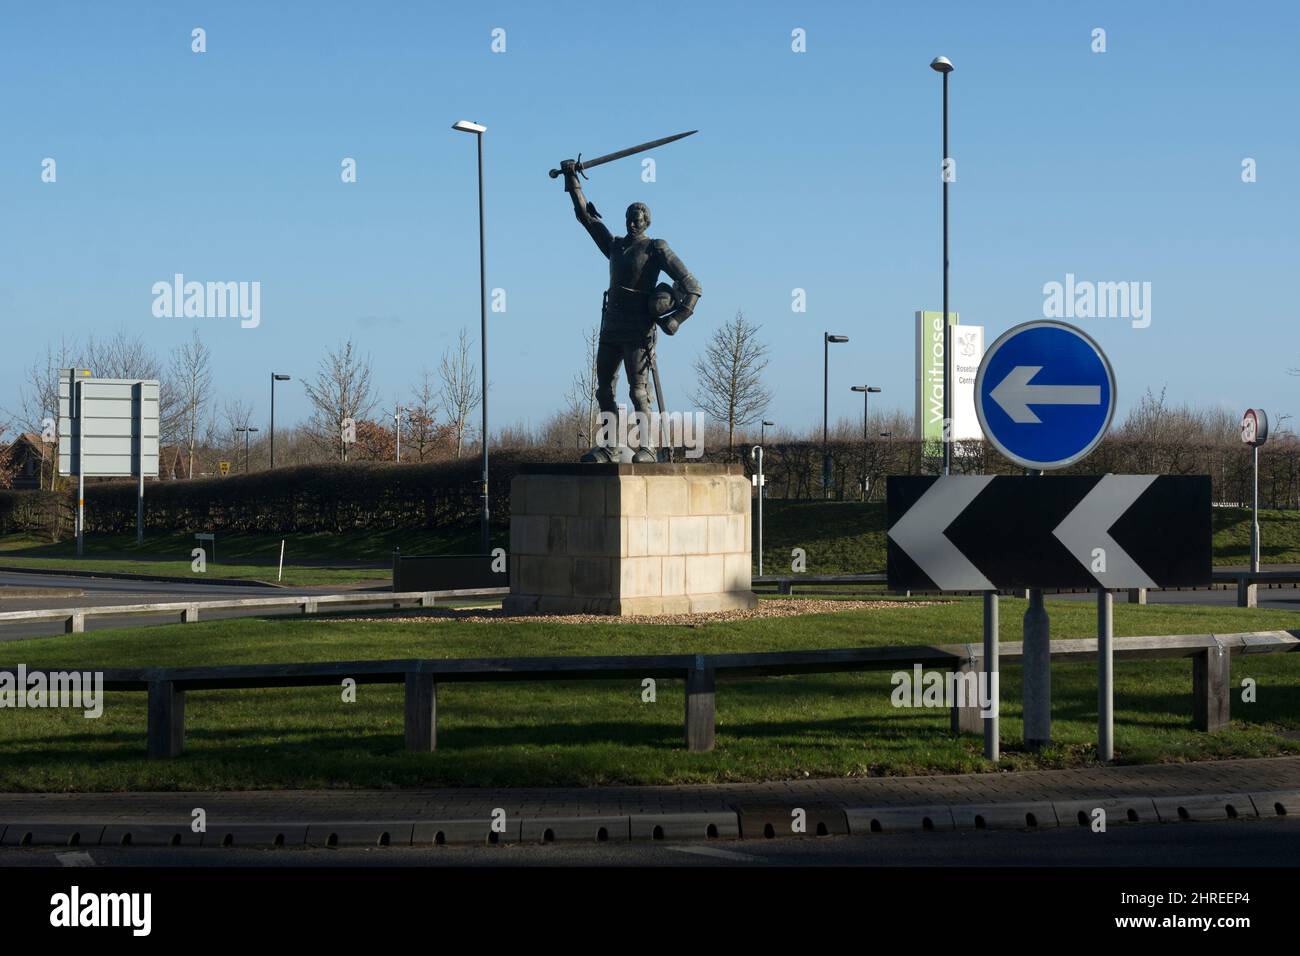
point(585, 383)
point(460, 392)
point(191, 378)
point(236, 417)
point(729, 387)
point(128, 356)
point(120, 356)
point(342, 391)
point(8, 460)
point(39, 397)
point(420, 430)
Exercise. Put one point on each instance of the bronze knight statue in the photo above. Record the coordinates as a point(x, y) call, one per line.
point(635, 306)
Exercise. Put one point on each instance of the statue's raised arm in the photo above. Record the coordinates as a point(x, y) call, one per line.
point(584, 210)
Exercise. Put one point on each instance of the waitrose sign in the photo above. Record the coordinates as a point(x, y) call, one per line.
point(968, 349)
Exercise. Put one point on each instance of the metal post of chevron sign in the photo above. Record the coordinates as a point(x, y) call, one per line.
point(1100, 532)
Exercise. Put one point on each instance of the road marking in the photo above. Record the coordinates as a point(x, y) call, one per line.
point(74, 859)
point(720, 854)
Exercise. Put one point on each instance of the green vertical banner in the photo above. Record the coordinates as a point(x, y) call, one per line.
point(930, 381)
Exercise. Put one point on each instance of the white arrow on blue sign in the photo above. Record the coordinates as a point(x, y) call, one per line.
point(1045, 394)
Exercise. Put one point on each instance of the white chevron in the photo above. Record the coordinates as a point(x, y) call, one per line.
point(920, 533)
point(1087, 527)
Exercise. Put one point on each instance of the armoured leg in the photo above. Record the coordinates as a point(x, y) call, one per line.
point(608, 358)
point(636, 362)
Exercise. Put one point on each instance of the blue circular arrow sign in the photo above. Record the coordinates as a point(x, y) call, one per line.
point(1045, 394)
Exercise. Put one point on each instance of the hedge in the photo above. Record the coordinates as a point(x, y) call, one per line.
point(370, 496)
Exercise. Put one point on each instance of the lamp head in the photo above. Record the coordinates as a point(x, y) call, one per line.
point(465, 126)
point(941, 64)
point(836, 338)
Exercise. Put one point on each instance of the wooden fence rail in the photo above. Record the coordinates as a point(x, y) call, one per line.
point(167, 687)
point(74, 618)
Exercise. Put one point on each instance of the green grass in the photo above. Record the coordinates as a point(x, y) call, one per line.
point(310, 559)
point(1279, 536)
point(600, 732)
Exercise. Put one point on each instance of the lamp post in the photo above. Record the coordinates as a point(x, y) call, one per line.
point(465, 126)
point(397, 431)
point(275, 377)
point(246, 429)
point(941, 64)
point(827, 339)
point(866, 391)
point(757, 454)
point(762, 440)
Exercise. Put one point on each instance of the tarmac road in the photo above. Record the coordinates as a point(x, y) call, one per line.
point(106, 592)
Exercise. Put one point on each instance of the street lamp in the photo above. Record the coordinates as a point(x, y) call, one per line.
point(762, 487)
point(866, 391)
point(757, 454)
point(465, 126)
point(275, 377)
point(245, 429)
point(941, 64)
point(827, 339)
point(397, 430)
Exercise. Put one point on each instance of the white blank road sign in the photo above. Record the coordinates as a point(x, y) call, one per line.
point(115, 427)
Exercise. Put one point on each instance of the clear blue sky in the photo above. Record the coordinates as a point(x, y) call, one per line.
point(816, 170)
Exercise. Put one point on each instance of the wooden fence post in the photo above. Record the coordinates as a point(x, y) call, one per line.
point(166, 722)
point(700, 707)
point(421, 713)
point(965, 714)
point(1212, 688)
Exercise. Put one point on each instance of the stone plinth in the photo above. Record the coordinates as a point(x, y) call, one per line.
point(629, 539)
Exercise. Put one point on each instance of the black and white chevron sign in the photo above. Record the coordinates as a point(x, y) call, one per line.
point(985, 532)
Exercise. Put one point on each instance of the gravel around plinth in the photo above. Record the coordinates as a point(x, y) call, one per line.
point(789, 607)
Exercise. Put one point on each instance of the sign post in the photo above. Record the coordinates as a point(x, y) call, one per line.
point(1045, 396)
point(81, 475)
point(1105, 676)
point(992, 737)
point(1254, 432)
point(757, 454)
point(137, 442)
point(108, 427)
